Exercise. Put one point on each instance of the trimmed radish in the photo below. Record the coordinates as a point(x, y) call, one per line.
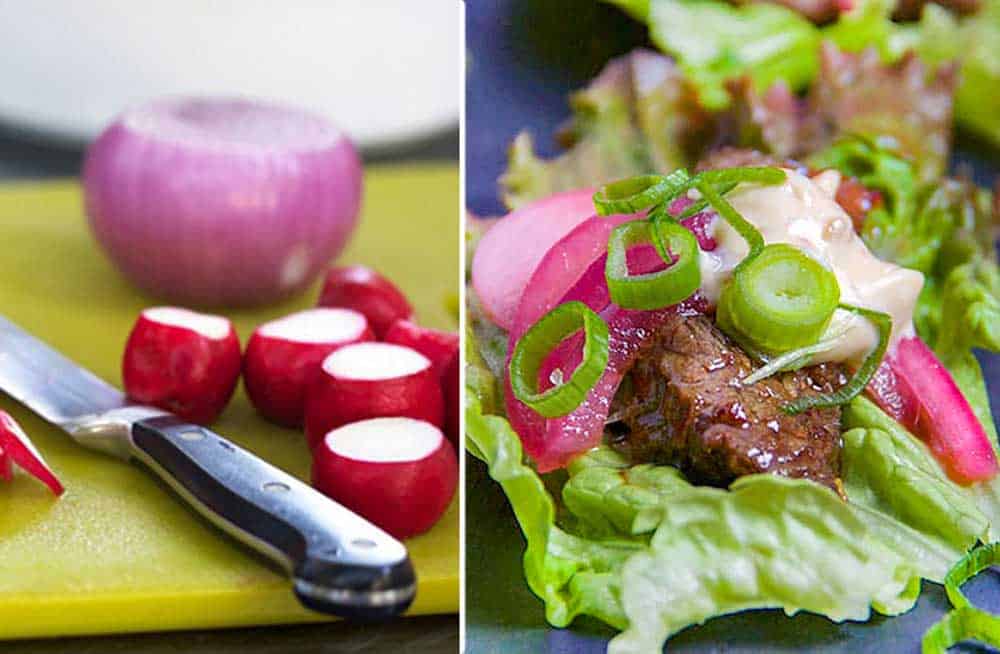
point(436, 345)
point(6, 470)
point(507, 254)
point(221, 201)
point(283, 358)
point(399, 473)
point(364, 290)
point(452, 399)
point(185, 362)
point(371, 380)
point(18, 447)
point(926, 400)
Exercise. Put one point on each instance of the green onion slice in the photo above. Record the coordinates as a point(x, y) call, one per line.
point(969, 566)
point(966, 623)
point(857, 383)
point(635, 194)
point(750, 174)
point(539, 341)
point(742, 226)
point(658, 289)
point(791, 360)
point(780, 300)
point(700, 205)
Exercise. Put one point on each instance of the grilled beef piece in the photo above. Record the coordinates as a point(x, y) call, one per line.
point(682, 403)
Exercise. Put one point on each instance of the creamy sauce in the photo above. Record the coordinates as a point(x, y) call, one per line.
point(802, 212)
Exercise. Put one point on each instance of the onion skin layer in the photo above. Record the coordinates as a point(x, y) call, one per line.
point(206, 219)
point(333, 401)
point(179, 370)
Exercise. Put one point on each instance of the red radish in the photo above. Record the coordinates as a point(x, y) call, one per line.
point(185, 362)
point(364, 290)
point(436, 345)
point(6, 471)
point(371, 380)
point(399, 473)
point(926, 400)
point(220, 201)
point(509, 252)
point(19, 449)
point(284, 356)
point(452, 399)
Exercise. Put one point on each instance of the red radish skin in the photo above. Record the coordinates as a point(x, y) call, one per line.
point(17, 446)
point(366, 291)
point(436, 345)
point(399, 473)
point(221, 202)
point(926, 400)
point(283, 358)
point(185, 362)
point(6, 469)
point(450, 387)
point(509, 252)
point(372, 380)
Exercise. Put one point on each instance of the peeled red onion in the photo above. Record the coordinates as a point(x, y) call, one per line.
point(221, 202)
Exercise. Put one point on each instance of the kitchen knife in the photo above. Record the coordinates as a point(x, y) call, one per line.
point(339, 563)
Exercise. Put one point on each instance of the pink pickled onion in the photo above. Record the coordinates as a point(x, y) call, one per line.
point(510, 251)
point(926, 400)
point(18, 447)
point(6, 471)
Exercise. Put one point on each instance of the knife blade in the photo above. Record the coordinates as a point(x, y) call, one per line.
point(339, 562)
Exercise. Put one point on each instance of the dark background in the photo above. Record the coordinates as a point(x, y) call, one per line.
point(525, 57)
point(28, 155)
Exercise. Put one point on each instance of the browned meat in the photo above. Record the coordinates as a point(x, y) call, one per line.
point(682, 403)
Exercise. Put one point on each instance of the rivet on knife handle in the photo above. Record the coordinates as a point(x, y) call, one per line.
point(340, 563)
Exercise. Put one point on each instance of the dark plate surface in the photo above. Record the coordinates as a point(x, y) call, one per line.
point(525, 56)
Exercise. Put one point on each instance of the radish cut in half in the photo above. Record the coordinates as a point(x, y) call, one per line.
point(6, 469)
point(372, 380)
point(436, 345)
point(185, 362)
point(18, 447)
point(399, 473)
point(284, 356)
point(364, 290)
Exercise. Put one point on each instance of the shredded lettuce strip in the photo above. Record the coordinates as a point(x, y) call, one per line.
point(715, 41)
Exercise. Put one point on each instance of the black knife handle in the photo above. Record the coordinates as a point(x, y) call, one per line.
point(340, 563)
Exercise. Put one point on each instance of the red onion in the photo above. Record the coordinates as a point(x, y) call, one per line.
point(509, 252)
point(921, 394)
point(221, 202)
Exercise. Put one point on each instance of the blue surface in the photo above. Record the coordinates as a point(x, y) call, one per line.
point(525, 57)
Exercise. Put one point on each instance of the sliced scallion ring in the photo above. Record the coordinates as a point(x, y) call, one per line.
point(742, 226)
point(659, 289)
point(780, 300)
point(969, 566)
point(635, 194)
point(538, 343)
point(966, 623)
point(751, 174)
point(864, 373)
point(701, 204)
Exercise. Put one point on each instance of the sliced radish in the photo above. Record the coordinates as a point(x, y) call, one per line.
point(922, 396)
point(185, 362)
point(452, 399)
point(364, 290)
point(371, 380)
point(6, 469)
point(399, 473)
point(18, 447)
point(436, 345)
point(283, 358)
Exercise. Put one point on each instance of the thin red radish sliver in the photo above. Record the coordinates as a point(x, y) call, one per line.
point(19, 448)
point(6, 469)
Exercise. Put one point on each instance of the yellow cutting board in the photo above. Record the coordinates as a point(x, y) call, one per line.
point(118, 552)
